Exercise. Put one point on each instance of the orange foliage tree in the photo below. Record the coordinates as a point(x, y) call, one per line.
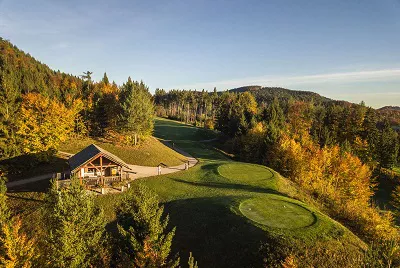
point(337, 178)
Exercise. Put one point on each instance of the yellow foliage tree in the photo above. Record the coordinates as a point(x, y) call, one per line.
point(18, 250)
point(251, 143)
point(43, 123)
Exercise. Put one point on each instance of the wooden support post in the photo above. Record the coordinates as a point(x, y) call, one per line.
point(101, 169)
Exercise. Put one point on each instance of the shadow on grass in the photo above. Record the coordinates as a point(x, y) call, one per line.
point(216, 236)
point(11, 196)
point(41, 186)
point(209, 229)
point(231, 186)
point(29, 165)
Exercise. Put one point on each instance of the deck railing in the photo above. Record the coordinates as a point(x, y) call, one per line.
point(99, 181)
point(104, 179)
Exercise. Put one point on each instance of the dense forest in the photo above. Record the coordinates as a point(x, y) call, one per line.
point(362, 131)
point(337, 151)
point(264, 95)
point(41, 107)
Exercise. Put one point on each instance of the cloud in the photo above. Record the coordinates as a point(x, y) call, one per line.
point(341, 77)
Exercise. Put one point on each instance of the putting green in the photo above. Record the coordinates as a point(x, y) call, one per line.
point(276, 212)
point(242, 171)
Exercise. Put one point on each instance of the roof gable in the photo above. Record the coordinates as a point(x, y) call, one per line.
point(89, 153)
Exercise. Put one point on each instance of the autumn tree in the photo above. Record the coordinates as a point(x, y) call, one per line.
point(192, 263)
point(144, 238)
point(105, 107)
point(43, 124)
point(16, 249)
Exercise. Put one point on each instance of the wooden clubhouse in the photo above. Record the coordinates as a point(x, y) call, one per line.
point(95, 165)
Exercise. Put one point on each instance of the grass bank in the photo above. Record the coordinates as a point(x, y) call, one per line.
point(149, 152)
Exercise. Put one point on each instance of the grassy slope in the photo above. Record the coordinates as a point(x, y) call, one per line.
point(205, 205)
point(149, 153)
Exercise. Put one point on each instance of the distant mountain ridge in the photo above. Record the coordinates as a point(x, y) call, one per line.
point(389, 108)
point(267, 94)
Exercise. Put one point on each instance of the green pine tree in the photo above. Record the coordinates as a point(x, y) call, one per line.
point(388, 146)
point(136, 110)
point(9, 99)
point(370, 132)
point(76, 228)
point(144, 238)
point(273, 114)
point(105, 79)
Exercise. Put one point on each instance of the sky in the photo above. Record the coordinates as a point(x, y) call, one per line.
point(347, 50)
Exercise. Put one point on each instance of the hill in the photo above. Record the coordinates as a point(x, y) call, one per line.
point(228, 213)
point(150, 152)
point(267, 94)
point(21, 73)
point(225, 210)
point(392, 113)
point(389, 108)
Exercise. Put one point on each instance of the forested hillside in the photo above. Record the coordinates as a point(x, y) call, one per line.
point(339, 152)
point(392, 113)
point(40, 108)
point(267, 94)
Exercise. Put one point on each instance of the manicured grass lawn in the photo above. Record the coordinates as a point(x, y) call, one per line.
point(209, 204)
point(245, 172)
point(150, 152)
point(277, 212)
point(175, 131)
point(224, 210)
